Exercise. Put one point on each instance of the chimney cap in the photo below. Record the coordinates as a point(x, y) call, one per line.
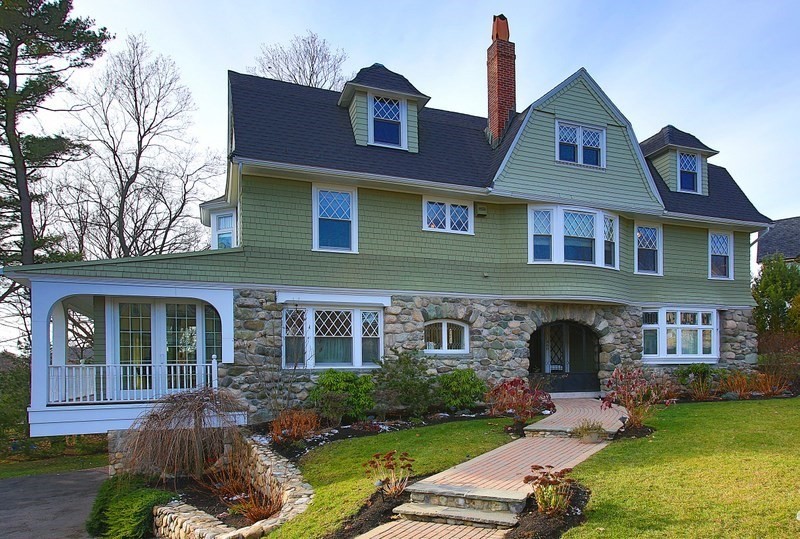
point(500, 28)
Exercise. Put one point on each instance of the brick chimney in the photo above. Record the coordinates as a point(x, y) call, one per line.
point(502, 78)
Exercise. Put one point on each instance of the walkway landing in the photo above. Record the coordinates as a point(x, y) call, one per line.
point(570, 412)
point(414, 529)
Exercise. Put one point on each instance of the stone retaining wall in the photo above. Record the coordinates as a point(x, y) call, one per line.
point(499, 336)
point(178, 520)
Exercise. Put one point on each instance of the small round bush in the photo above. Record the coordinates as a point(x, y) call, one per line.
point(460, 389)
point(342, 393)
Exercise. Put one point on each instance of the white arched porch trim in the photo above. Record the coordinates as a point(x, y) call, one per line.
point(47, 296)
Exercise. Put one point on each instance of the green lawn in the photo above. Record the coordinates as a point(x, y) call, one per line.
point(51, 465)
point(727, 469)
point(336, 473)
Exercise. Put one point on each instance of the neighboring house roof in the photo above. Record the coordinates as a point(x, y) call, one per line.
point(671, 136)
point(783, 238)
point(725, 198)
point(288, 123)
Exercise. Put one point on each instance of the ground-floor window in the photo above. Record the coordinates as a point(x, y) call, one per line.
point(326, 337)
point(679, 335)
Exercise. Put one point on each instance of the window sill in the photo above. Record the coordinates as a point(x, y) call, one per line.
point(653, 360)
point(336, 366)
point(390, 146)
point(441, 230)
point(648, 273)
point(580, 264)
point(712, 278)
point(689, 192)
point(580, 165)
point(321, 250)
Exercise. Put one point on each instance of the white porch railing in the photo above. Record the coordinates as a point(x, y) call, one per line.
point(110, 384)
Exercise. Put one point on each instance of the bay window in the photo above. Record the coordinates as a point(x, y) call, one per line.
point(679, 335)
point(566, 235)
point(332, 337)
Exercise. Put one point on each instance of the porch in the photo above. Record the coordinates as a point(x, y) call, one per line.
point(102, 353)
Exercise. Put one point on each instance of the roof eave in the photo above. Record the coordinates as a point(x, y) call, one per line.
point(350, 89)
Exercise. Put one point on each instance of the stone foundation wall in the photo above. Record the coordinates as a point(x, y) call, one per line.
point(499, 337)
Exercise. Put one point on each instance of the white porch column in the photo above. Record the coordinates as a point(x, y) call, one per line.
point(60, 348)
point(40, 346)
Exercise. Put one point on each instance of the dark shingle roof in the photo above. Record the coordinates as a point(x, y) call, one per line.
point(287, 123)
point(377, 76)
point(725, 198)
point(672, 136)
point(784, 238)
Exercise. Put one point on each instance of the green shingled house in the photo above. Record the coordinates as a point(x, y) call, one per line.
point(546, 241)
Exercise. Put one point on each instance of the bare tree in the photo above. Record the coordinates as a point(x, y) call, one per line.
point(307, 60)
point(136, 193)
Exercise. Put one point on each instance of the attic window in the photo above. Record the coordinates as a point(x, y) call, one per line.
point(689, 172)
point(387, 122)
point(581, 144)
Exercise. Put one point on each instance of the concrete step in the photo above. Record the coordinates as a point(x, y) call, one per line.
point(454, 515)
point(482, 499)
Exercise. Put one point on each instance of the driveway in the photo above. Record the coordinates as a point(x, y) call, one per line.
point(48, 505)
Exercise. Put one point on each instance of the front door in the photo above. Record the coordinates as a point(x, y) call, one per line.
point(566, 354)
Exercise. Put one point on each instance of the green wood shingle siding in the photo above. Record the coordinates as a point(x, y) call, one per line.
point(359, 118)
point(99, 343)
point(411, 123)
point(532, 168)
point(667, 166)
point(396, 254)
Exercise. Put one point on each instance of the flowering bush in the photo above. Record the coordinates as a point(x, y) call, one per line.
point(551, 489)
point(515, 396)
point(628, 387)
point(294, 424)
point(390, 472)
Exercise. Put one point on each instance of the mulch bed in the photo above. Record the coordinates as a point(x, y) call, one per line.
point(376, 511)
point(534, 525)
point(640, 432)
point(189, 491)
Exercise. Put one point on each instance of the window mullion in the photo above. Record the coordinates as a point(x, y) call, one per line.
point(309, 337)
point(580, 144)
point(357, 332)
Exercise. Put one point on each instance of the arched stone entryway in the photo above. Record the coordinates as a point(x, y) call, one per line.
point(567, 355)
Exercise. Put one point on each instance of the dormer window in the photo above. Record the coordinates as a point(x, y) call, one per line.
point(223, 230)
point(580, 144)
point(688, 172)
point(387, 121)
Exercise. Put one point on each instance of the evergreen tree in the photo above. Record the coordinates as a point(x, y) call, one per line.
point(774, 290)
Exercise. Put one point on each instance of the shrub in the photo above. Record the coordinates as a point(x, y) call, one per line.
point(460, 389)
point(390, 472)
point(124, 508)
point(294, 424)
point(183, 433)
point(699, 379)
point(770, 384)
point(515, 396)
point(628, 387)
point(405, 381)
point(552, 489)
point(738, 382)
point(342, 393)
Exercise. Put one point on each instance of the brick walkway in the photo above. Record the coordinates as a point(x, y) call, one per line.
point(413, 529)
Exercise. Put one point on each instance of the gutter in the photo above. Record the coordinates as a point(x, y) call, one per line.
point(719, 220)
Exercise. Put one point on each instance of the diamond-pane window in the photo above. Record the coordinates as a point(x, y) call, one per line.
point(719, 244)
point(437, 215)
point(459, 217)
point(580, 144)
point(295, 323)
point(385, 108)
point(720, 247)
point(334, 205)
point(591, 137)
point(688, 162)
point(334, 323)
point(369, 324)
point(568, 134)
point(647, 237)
point(541, 222)
point(647, 249)
point(608, 226)
point(579, 225)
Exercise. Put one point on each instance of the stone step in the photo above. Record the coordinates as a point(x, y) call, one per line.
point(483, 499)
point(454, 515)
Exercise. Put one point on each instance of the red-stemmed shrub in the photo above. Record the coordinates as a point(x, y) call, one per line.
point(628, 387)
point(294, 424)
point(516, 397)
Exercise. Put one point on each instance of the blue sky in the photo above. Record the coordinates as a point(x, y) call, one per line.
point(724, 71)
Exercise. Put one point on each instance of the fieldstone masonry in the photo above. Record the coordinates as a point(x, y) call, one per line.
point(499, 334)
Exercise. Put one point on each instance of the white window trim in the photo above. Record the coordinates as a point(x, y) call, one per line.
point(557, 236)
point(445, 350)
point(215, 231)
point(662, 357)
point(730, 255)
point(470, 215)
point(697, 156)
point(660, 257)
point(580, 127)
point(308, 336)
point(403, 121)
point(353, 217)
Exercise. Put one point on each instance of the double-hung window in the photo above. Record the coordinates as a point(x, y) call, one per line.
point(335, 219)
point(223, 231)
point(581, 144)
point(679, 335)
point(569, 235)
point(387, 121)
point(720, 255)
point(648, 249)
point(689, 172)
point(447, 216)
point(331, 337)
